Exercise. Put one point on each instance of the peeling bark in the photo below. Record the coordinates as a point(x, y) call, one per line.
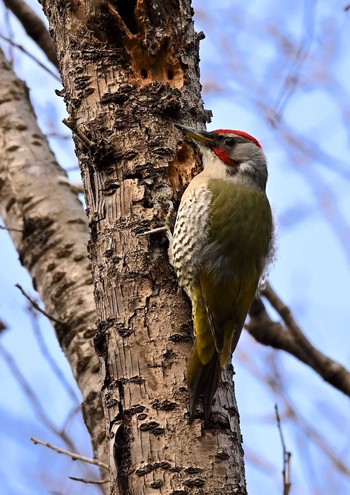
point(50, 236)
point(130, 69)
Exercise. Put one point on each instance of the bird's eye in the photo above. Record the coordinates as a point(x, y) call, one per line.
point(230, 142)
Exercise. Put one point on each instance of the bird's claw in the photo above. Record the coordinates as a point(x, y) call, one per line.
point(169, 223)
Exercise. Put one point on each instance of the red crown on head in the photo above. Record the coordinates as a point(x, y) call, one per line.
point(239, 133)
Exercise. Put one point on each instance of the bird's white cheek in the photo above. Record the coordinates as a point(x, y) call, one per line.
point(246, 167)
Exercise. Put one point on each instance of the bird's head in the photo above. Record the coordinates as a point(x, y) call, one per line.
point(231, 153)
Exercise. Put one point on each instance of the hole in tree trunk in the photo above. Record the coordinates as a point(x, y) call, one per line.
point(126, 10)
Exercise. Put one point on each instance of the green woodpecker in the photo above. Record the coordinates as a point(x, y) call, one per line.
point(222, 241)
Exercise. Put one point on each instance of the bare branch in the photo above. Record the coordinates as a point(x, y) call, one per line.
point(290, 338)
point(58, 135)
point(9, 229)
point(36, 404)
point(74, 411)
point(3, 326)
point(77, 188)
point(33, 57)
point(73, 455)
point(286, 457)
point(76, 130)
point(91, 482)
point(73, 168)
point(34, 27)
point(259, 462)
point(10, 34)
point(275, 382)
point(50, 359)
point(38, 308)
point(32, 397)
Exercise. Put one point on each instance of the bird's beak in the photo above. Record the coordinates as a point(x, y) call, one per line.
point(201, 136)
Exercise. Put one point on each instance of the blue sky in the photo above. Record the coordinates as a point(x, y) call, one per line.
point(260, 62)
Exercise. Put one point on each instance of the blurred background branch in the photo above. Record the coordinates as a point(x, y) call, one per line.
point(34, 26)
point(290, 338)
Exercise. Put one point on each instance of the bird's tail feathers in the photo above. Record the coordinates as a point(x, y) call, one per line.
point(202, 381)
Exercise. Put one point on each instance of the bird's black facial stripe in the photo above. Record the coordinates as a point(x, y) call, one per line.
point(230, 141)
point(232, 169)
point(224, 142)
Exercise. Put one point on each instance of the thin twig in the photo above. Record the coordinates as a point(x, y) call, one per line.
point(286, 457)
point(9, 31)
point(73, 168)
point(28, 391)
point(58, 135)
point(73, 455)
point(255, 459)
point(74, 411)
point(33, 399)
point(273, 380)
point(77, 188)
point(10, 229)
point(36, 60)
point(38, 308)
point(50, 359)
point(74, 128)
point(92, 482)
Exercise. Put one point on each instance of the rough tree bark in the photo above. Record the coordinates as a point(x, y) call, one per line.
point(129, 70)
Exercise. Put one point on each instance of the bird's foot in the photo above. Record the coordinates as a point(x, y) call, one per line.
point(165, 229)
point(169, 224)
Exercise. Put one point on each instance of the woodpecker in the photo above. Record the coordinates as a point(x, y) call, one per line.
point(222, 241)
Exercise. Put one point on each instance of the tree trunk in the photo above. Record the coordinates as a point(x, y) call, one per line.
point(129, 72)
point(49, 229)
